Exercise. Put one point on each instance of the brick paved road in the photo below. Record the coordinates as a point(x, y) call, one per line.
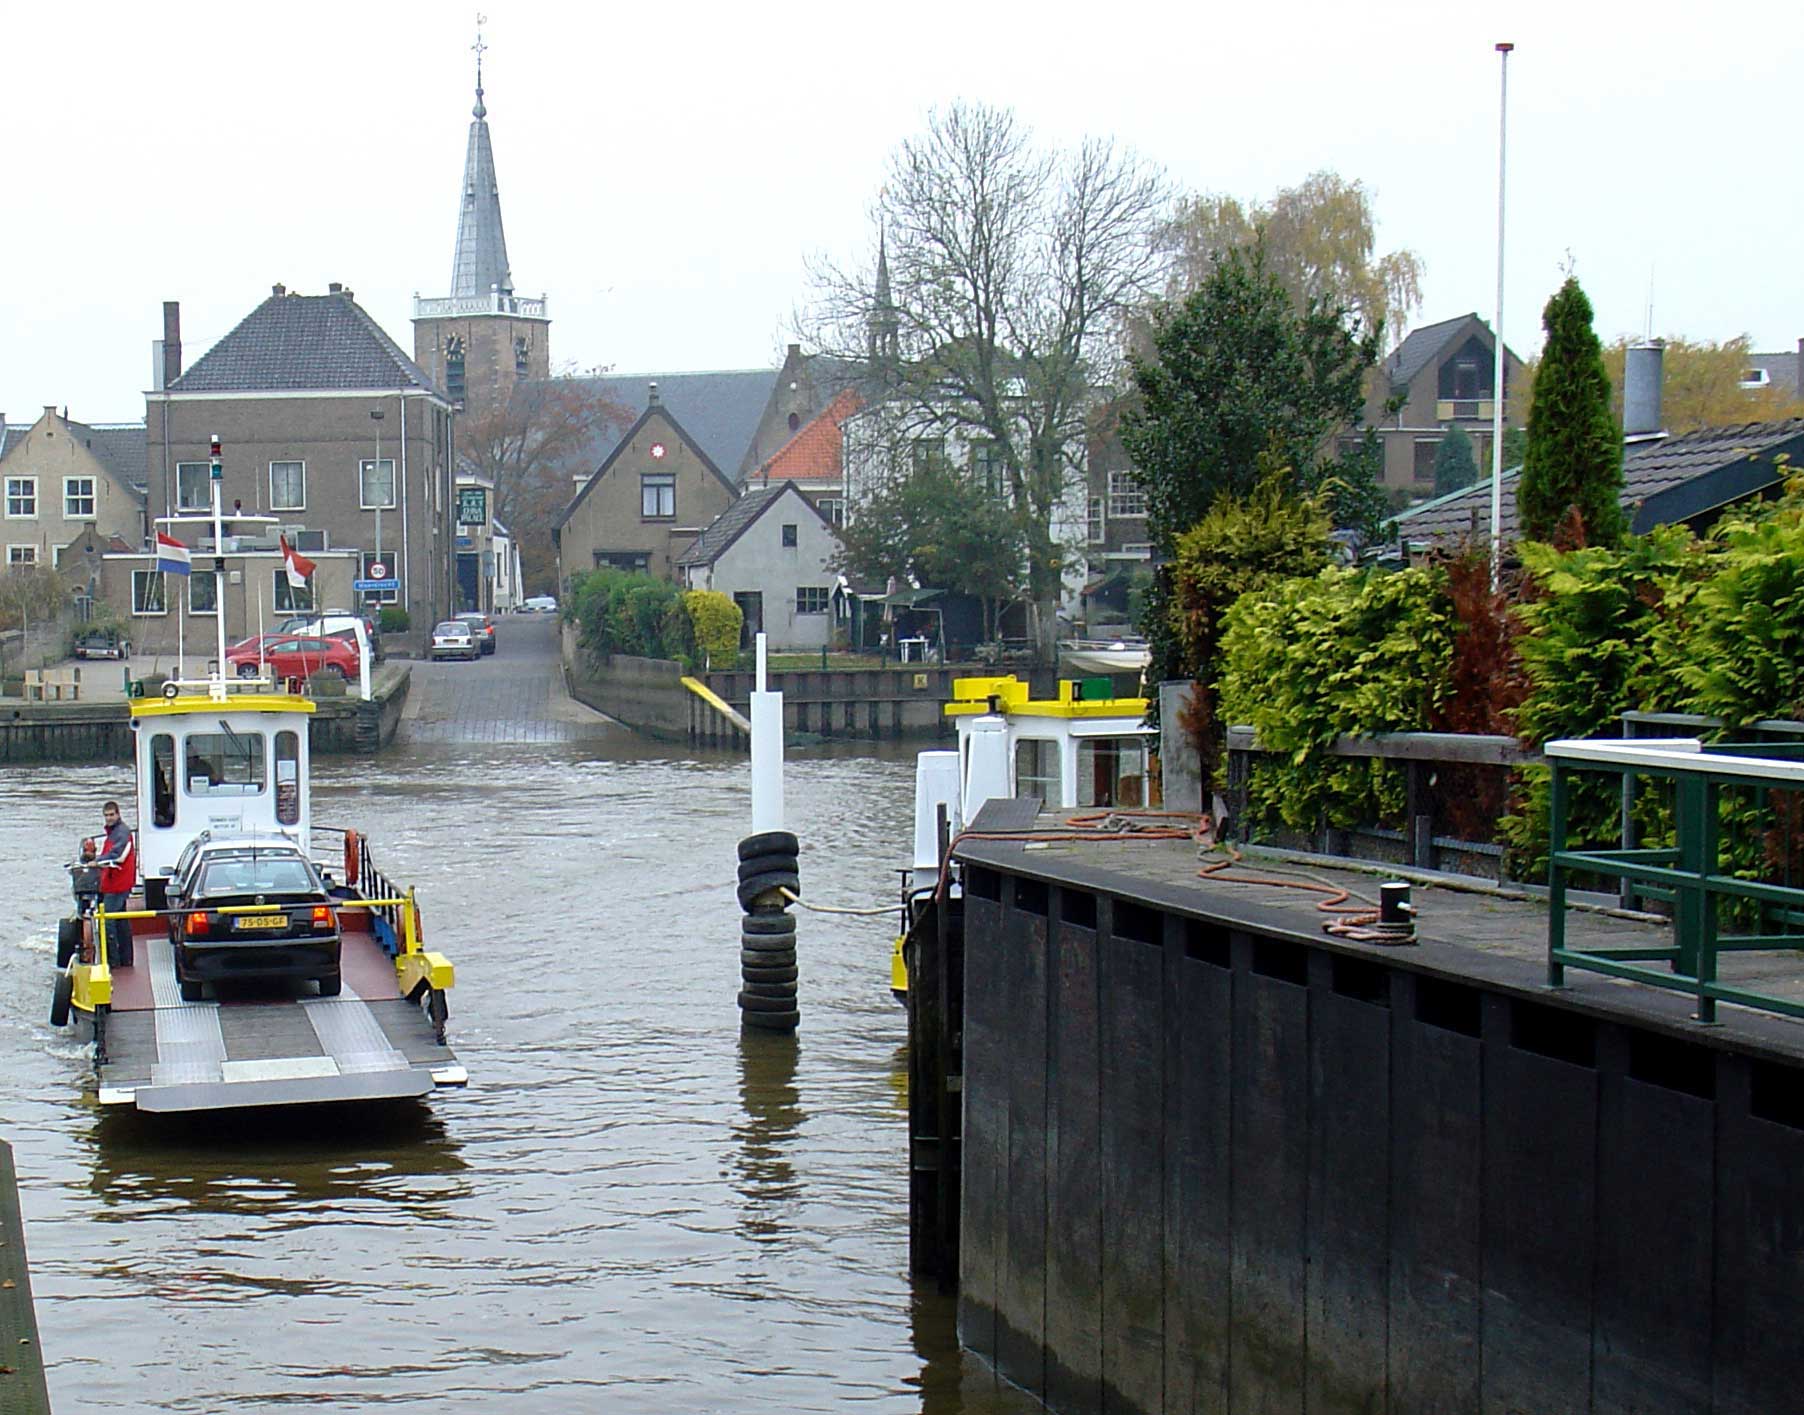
point(515, 694)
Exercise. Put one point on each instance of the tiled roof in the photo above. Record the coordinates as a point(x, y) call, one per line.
point(720, 410)
point(656, 410)
point(1664, 481)
point(712, 543)
point(1418, 351)
point(291, 343)
point(119, 446)
point(815, 452)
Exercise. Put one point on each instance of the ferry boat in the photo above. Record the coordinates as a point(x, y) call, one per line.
point(259, 973)
point(1085, 749)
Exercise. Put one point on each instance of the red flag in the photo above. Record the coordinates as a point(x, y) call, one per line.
point(299, 567)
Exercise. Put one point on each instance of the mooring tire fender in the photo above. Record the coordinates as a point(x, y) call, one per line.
point(60, 998)
point(766, 842)
point(767, 883)
point(763, 864)
point(771, 924)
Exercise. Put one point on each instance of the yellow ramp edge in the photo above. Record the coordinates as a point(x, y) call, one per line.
point(718, 703)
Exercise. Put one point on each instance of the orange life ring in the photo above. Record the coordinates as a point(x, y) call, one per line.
point(353, 856)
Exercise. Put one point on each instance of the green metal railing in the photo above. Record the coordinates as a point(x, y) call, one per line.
point(1688, 875)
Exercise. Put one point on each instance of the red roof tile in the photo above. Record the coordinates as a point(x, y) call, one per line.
point(814, 453)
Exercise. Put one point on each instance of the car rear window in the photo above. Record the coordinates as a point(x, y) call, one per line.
point(264, 874)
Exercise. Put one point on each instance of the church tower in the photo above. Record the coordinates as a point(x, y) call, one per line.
point(481, 339)
point(884, 323)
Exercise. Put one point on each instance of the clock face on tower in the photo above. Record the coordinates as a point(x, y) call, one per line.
point(657, 451)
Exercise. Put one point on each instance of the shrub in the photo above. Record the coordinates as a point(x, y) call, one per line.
point(717, 623)
point(393, 620)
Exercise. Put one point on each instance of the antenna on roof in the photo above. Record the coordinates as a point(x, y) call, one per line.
point(1649, 335)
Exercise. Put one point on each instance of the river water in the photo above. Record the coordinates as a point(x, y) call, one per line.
point(634, 1207)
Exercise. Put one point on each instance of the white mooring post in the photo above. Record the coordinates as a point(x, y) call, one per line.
point(767, 754)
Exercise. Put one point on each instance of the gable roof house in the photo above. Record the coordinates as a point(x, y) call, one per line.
point(643, 506)
point(1444, 373)
point(813, 460)
point(330, 434)
point(61, 479)
point(772, 550)
point(1687, 480)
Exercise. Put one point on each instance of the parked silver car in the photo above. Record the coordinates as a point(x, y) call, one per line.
point(453, 639)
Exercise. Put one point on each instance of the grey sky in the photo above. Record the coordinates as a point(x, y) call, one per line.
point(665, 170)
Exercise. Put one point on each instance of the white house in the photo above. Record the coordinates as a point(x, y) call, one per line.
point(771, 550)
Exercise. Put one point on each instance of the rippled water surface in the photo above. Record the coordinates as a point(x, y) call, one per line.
point(633, 1208)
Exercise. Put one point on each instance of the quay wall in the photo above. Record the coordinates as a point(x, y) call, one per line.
point(1206, 1168)
point(648, 695)
point(33, 733)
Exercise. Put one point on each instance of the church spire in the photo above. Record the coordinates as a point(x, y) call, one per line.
point(885, 340)
point(480, 264)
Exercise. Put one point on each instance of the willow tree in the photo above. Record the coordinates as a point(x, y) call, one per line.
point(993, 312)
point(1571, 487)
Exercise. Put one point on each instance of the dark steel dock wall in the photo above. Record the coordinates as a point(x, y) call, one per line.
point(1207, 1169)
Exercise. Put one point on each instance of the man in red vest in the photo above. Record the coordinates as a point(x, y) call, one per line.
point(118, 861)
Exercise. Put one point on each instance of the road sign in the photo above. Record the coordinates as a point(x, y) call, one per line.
point(376, 570)
point(367, 586)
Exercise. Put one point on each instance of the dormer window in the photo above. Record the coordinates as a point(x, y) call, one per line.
point(1465, 379)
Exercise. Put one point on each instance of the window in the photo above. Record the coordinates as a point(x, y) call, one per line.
point(1037, 769)
point(162, 780)
point(454, 367)
point(303, 598)
point(21, 556)
point(833, 508)
point(376, 483)
point(288, 778)
point(789, 536)
point(21, 498)
point(1096, 530)
point(1423, 470)
point(203, 592)
point(224, 764)
point(811, 599)
point(148, 593)
point(191, 492)
point(288, 599)
point(657, 496)
point(1111, 771)
point(927, 453)
point(987, 467)
point(288, 486)
point(522, 353)
point(78, 498)
point(1465, 379)
point(1126, 496)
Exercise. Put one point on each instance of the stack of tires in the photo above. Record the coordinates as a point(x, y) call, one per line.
point(767, 940)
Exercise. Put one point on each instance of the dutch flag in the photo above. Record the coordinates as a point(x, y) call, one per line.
point(172, 556)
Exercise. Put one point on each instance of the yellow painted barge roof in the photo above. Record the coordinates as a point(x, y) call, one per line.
point(972, 696)
point(188, 703)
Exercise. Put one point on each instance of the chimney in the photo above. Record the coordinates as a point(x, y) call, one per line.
point(1641, 379)
point(335, 288)
point(1797, 386)
point(172, 343)
point(651, 397)
point(278, 289)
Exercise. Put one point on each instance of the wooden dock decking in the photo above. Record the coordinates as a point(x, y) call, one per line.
point(1466, 930)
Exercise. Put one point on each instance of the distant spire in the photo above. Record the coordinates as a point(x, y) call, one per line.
point(480, 263)
point(885, 340)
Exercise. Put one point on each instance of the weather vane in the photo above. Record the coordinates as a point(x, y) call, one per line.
point(479, 47)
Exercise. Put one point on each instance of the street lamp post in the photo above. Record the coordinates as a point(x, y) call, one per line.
point(376, 418)
point(1503, 112)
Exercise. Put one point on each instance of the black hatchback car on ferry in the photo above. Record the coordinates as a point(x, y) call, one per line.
point(251, 909)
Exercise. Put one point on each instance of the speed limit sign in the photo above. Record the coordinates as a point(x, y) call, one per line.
point(377, 570)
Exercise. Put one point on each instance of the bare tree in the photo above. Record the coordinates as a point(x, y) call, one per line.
point(32, 599)
point(532, 447)
point(994, 314)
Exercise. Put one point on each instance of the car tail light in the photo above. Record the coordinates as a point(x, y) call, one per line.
point(322, 915)
point(196, 926)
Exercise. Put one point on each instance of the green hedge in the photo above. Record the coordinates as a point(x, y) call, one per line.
point(621, 611)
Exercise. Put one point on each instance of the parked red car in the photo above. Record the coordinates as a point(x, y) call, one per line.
point(295, 656)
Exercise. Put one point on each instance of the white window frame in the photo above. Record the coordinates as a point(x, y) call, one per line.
point(364, 468)
point(21, 557)
point(206, 496)
point(1127, 497)
point(91, 496)
point(826, 599)
point(301, 505)
point(195, 578)
point(657, 481)
point(141, 599)
point(21, 498)
point(1096, 523)
point(988, 468)
point(833, 508)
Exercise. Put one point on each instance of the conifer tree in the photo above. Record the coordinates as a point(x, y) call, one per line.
point(1455, 465)
point(1570, 493)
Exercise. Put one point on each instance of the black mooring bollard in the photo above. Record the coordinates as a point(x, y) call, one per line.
point(767, 940)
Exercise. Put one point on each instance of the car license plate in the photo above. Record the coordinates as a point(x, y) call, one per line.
point(261, 921)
